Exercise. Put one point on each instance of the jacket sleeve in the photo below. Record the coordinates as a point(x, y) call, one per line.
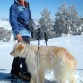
point(13, 19)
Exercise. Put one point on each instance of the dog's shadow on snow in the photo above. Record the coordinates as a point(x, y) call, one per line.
point(48, 81)
point(3, 76)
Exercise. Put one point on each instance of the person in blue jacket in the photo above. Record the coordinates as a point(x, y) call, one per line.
point(20, 9)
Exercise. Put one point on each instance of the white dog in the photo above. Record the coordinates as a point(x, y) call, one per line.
point(51, 57)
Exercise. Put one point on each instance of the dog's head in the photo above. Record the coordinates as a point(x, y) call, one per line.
point(18, 50)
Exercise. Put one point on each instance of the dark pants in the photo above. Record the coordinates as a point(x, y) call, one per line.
point(20, 61)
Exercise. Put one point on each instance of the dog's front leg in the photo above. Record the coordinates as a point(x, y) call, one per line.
point(31, 80)
point(41, 76)
point(62, 80)
point(34, 79)
point(34, 75)
point(40, 79)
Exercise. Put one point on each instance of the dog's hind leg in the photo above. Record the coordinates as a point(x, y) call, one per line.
point(72, 79)
point(60, 77)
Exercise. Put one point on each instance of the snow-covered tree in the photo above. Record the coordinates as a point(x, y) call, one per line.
point(75, 21)
point(67, 21)
point(45, 22)
point(5, 34)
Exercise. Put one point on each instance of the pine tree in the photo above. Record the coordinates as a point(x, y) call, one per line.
point(67, 21)
point(46, 23)
point(5, 34)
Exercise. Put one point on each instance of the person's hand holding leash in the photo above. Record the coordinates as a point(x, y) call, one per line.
point(19, 37)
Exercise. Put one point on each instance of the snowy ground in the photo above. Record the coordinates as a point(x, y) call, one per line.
point(73, 43)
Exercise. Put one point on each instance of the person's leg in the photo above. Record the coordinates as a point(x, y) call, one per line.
point(24, 70)
point(26, 39)
point(15, 66)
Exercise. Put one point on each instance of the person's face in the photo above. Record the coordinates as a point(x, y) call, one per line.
point(21, 0)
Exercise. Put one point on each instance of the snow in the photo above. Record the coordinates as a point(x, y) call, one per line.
point(5, 24)
point(73, 43)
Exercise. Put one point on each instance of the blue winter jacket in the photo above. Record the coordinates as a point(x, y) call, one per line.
point(24, 14)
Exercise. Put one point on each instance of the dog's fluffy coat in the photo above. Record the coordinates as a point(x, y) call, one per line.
point(51, 57)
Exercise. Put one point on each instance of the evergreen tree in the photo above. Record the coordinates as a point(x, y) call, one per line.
point(67, 21)
point(45, 23)
point(5, 35)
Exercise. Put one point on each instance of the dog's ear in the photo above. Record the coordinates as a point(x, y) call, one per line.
point(21, 47)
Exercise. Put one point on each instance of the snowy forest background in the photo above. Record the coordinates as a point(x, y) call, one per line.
point(66, 23)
